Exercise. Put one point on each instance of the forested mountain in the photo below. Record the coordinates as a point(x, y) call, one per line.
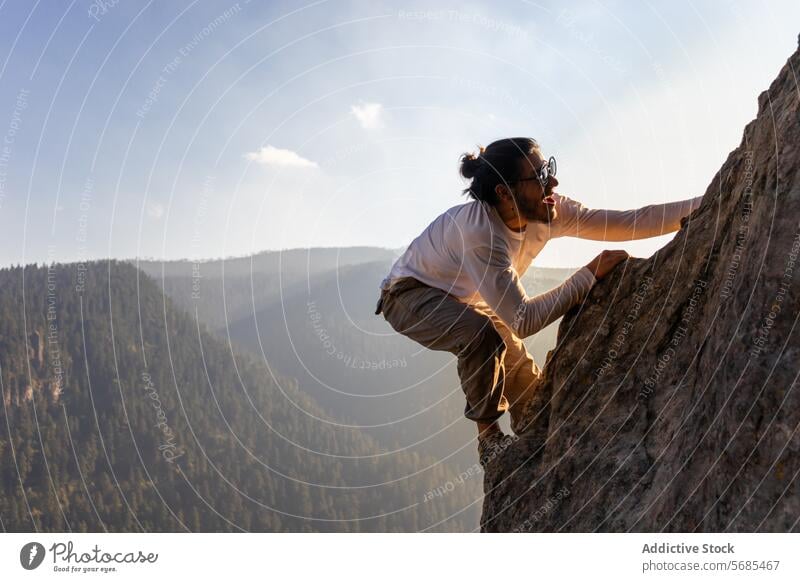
point(121, 413)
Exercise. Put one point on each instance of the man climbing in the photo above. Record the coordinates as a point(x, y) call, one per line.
point(457, 286)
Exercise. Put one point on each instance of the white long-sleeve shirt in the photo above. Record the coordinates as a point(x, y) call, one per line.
point(469, 252)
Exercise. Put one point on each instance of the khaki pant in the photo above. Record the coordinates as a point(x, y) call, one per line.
point(496, 371)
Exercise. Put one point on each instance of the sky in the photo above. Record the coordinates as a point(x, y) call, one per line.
point(189, 129)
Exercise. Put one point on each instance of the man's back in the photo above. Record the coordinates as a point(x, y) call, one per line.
point(439, 255)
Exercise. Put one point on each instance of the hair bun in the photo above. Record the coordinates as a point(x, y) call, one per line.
point(472, 164)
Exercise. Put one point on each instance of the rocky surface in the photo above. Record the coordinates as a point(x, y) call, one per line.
point(671, 402)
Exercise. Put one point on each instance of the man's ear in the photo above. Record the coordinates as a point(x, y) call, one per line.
point(503, 191)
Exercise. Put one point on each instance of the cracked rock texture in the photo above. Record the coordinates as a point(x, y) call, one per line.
point(672, 401)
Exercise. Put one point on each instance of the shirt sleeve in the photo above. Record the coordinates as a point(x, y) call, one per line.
point(500, 288)
point(575, 220)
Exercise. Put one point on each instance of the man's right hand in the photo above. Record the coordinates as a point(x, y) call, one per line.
point(603, 263)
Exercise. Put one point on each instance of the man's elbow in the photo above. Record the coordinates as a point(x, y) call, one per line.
point(525, 323)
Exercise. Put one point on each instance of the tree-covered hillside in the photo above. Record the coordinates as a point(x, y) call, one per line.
point(120, 413)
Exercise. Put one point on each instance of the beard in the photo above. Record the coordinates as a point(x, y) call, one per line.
point(538, 211)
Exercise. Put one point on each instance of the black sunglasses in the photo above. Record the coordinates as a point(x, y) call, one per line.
point(543, 175)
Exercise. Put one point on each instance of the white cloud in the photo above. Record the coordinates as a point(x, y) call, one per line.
point(155, 210)
point(369, 115)
point(272, 156)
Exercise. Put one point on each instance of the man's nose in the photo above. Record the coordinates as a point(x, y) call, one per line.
point(552, 182)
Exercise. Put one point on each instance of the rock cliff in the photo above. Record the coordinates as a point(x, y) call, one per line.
point(671, 402)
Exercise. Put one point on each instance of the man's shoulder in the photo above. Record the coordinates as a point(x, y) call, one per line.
point(473, 209)
point(470, 218)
